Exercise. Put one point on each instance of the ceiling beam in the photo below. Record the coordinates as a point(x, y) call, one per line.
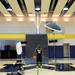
point(30, 6)
point(3, 10)
point(60, 5)
point(45, 6)
point(71, 10)
point(15, 6)
point(53, 2)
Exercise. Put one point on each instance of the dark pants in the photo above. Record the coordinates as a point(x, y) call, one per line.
point(39, 60)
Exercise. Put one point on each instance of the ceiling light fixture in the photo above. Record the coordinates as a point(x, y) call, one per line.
point(55, 15)
point(9, 9)
point(65, 8)
point(8, 19)
point(54, 19)
point(19, 15)
point(32, 19)
point(20, 19)
point(67, 15)
point(37, 8)
point(66, 19)
point(7, 15)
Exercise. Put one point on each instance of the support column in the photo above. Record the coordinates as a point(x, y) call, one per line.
point(66, 50)
point(38, 22)
point(66, 54)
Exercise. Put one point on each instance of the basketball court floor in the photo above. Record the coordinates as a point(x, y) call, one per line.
point(44, 72)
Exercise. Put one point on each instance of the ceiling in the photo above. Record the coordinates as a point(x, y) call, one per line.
point(55, 8)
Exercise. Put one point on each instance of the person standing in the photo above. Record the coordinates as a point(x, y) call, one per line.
point(39, 56)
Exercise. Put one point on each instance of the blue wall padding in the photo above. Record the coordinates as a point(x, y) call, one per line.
point(55, 52)
point(51, 51)
point(72, 51)
point(59, 52)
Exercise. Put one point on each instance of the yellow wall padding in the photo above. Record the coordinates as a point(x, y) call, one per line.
point(13, 36)
point(23, 36)
point(61, 36)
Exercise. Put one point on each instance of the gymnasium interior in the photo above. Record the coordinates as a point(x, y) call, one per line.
point(27, 24)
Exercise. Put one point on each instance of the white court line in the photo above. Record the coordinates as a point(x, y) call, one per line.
point(48, 72)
